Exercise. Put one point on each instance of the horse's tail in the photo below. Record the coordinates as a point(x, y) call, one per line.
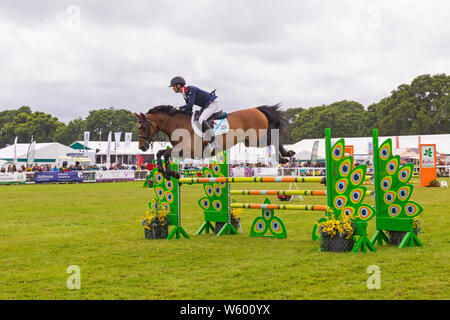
point(276, 121)
point(273, 115)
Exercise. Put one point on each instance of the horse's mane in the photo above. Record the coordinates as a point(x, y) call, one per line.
point(162, 108)
point(166, 108)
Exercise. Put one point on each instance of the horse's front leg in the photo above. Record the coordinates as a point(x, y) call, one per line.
point(159, 161)
point(169, 172)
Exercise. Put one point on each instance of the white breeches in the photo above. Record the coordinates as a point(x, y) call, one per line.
point(207, 112)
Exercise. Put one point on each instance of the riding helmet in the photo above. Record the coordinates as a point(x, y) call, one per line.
point(177, 80)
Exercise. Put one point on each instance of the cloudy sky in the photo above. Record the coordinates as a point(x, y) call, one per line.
point(68, 57)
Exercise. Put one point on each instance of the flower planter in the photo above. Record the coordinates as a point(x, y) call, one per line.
point(396, 237)
point(336, 244)
point(235, 222)
point(284, 197)
point(157, 232)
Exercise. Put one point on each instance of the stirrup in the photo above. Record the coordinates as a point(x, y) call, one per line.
point(214, 144)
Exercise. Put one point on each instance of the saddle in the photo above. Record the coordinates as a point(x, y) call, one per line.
point(219, 115)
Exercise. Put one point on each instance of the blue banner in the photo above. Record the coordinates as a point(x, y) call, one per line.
point(46, 177)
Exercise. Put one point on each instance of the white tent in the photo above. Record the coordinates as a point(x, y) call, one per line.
point(45, 152)
point(304, 147)
point(119, 154)
point(239, 153)
point(132, 149)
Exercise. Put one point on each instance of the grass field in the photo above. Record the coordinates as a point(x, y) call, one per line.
point(46, 228)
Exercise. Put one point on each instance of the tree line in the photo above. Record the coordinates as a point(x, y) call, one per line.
point(24, 124)
point(422, 107)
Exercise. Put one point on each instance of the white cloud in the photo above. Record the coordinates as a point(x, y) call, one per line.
point(66, 58)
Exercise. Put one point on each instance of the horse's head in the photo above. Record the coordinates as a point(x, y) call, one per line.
point(147, 130)
point(156, 119)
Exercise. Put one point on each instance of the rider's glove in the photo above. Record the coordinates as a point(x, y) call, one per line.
point(172, 111)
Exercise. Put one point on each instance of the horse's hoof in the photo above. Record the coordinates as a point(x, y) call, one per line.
point(283, 160)
point(167, 175)
point(176, 175)
point(290, 153)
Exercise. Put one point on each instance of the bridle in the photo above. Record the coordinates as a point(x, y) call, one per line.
point(149, 124)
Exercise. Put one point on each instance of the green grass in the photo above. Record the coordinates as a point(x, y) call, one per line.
point(46, 228)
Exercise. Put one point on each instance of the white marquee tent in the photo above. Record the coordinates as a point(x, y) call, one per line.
point(304, 147)
point(44, 152)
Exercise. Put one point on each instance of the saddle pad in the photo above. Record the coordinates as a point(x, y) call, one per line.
point(221, 126)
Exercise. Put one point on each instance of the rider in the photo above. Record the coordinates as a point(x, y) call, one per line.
point(195, 96)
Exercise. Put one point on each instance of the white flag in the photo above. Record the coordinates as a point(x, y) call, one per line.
point(108, 150)
point(31, 153)
point(86, 139)
point(128, 136)
point(15, 151)
point(117, 139)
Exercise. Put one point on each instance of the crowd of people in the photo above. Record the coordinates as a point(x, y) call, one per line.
point(66, 168)
point(249, 168)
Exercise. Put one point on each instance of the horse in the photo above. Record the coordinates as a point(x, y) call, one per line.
point(254, 127)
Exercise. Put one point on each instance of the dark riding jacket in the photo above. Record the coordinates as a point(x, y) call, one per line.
point(195, 96)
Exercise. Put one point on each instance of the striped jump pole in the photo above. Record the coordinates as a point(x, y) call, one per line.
point(250, 179)
point(280, 206)
point(284, 192)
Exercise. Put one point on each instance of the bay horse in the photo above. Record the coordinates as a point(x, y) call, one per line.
point(254, 127)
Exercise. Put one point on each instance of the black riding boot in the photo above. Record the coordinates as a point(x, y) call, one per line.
point(205, 128)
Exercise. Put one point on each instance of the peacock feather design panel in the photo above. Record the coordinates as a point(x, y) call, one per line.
point(166, 192)
point(393, 185)
point(268, 222)
point(216, 194)
point(347, 191)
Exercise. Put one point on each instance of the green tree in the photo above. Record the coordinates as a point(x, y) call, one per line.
point(368, 121)
point(24, 124)
point(343, 117)
point(73, 131)
point(423, 107)
point(114, 120)
point(289, 115)
point(6, 119)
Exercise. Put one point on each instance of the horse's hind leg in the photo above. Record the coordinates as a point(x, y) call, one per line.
point(280, 152)
point(286, 153)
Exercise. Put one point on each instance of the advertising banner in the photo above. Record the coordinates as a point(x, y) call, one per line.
point(255, 172)
point(12, 177)
point(49, 177)
point(428, 171)
point(114, 175)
